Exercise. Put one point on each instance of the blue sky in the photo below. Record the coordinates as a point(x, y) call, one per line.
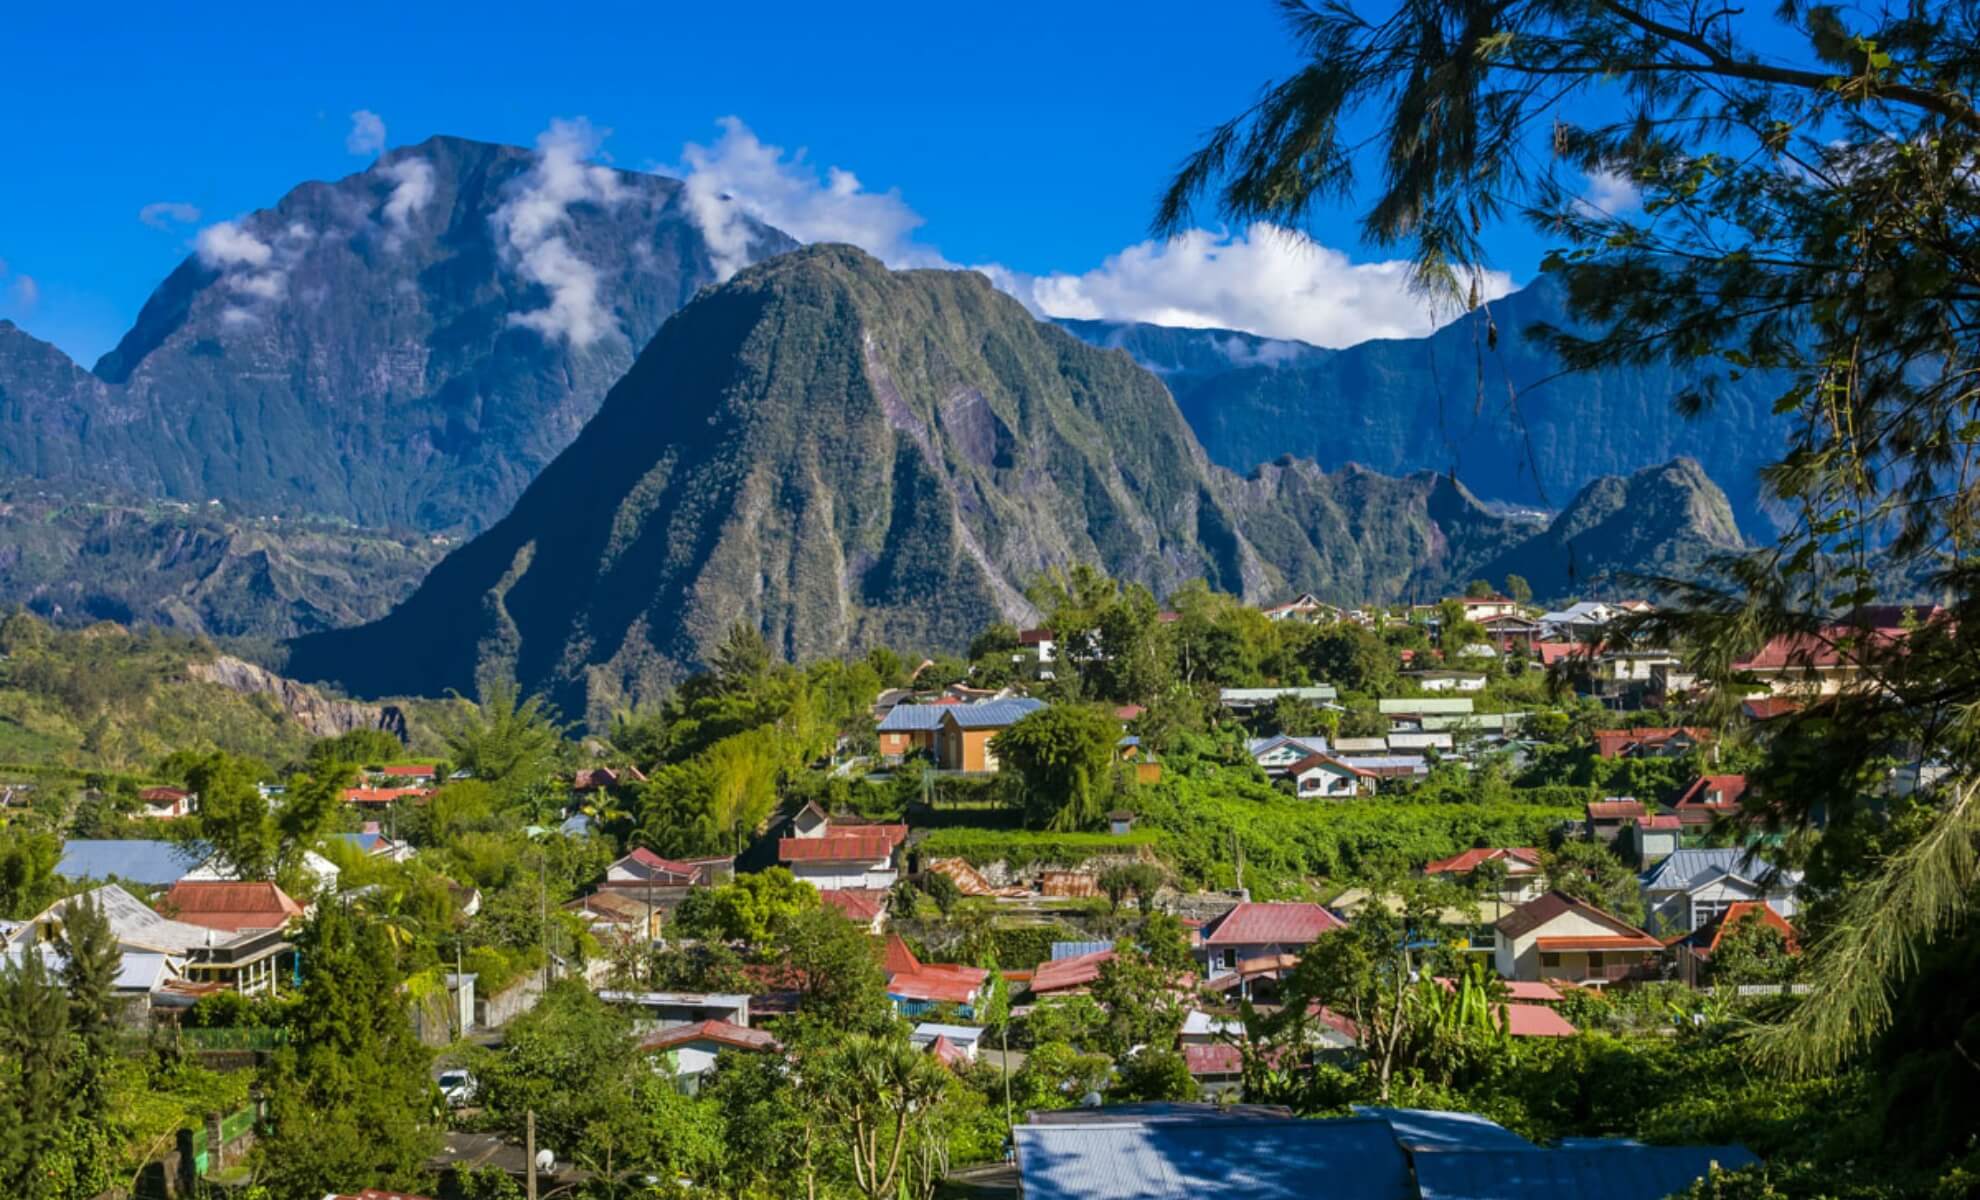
point(1031, 136)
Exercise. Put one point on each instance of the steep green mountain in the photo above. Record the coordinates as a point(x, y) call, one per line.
point(845, 456)
point(197, 568)
point(406, 346)
point(1441, 403)
point(1659, 522)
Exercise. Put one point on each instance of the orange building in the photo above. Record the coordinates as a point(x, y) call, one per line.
point(962, 741)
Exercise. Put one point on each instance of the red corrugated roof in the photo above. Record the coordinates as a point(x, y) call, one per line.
point(1611, 743)
point(1213, 1058)
point(1614, 810)
point(229, 905)
point(1470, 860)
point(860, 905)
point(1661, 821)
point(896, 958)
point(409, 770)
point(1065, 974)
point(722, 1033)
point(164, 795)
point(367, 795)
point(1600, 941)
point(939, 983)
point(1740, 909)
point(1728, 790)
point(947, 1052)
point(835, 847)
point(1766, 708)
point(1280, 923)
point(1536, 1020)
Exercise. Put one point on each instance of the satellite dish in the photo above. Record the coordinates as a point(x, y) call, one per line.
point(545, 1161)
point(1090, 1100)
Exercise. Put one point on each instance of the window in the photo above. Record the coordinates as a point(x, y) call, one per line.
point(1549, 959)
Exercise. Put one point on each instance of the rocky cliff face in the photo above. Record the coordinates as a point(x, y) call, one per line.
point(405, 346)
point(1440, 403)
point(846, 456)
point(321, 715)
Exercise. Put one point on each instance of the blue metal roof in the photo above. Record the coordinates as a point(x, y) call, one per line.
point(1075, 949)
point(1427, 1129)
point(1258, 1160)
point(138, 860)
point(1620, 1172)
point(366, 842)
point(908, 718)
point(993, 714)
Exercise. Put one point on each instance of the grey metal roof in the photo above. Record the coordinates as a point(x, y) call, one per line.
point(1265, 695)
point(1310, 744)
point(1686, 869)
point(1621, 1172)
point(139, 860)
point(1175, 1160)
point(137, 971)
point(1454, 706)
point(993, 714)
point(1075, 949)
point(1375, 762)
point(907, 718)
point(1428, 1129)
point(135, 925)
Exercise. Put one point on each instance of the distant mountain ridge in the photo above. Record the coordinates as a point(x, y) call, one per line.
point(844, 456)
point(1441, 403)
point(406, 346)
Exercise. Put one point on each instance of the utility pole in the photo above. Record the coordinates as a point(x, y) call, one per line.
point(529, 1149)
point(543, 917)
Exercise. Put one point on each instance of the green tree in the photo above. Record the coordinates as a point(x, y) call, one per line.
point(1520, 591)
point(1145, 1004)
point(349, 1097)
point(842, 987)
point(28, 882)
point(941, 889)
point(1154, 1073)
point(91, 959)
point(569, 1060)
point(506, 740)
point(1065, 755)
point(1751, 950)
point(882, 1097)
point(1591, 872)
point(233, 816)
point(366, 747)
point(752, 908)
point(1478, 589)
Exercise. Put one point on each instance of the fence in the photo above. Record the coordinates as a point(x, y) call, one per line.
point(241, 1037)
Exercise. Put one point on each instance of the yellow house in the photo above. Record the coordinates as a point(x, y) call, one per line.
point(1559, 937)
point(962, 742)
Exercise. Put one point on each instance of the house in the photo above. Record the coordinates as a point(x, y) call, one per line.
point(1606, 818)
point(645, 873)
point(1244, 699)
point(1387, 766)
point(321, 872)
point(166, 803)
point(230, 907)
point(1274, 754)
point(619, 915)
point(1559, 937)
point(696, 1046)
point(910, 728)
point(142, 861)
point(1070, 976)
point(1583, 621)
point(916, 987)
point(864, 908)
point(1709, 800)
point(1650, 742)
point(1303, 607)
point(1324, 777)
point(1694, 950)
point(963, 739)
point(1822, 663)
point(1120, 822)
point(249, 961)
point(836, 857)
point(1406, 715)
point(661, 1011)
point(1761, 709)
point(1418, 742)
point(371, 841)
point(1524, 879)
point(1512, 633)
point(1484, 608)
point(1256, 929)
point(1623, 676)
point(144, 979)
point(1447, 681)
point(1691, 887)
point(1042, 645)
point(1651, 839)
point(1150, 1151)
point(1361, 745)
point(964, 1038)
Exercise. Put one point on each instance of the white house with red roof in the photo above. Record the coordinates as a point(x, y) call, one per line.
point(643, 869)
point(867, 909)
point(916, 987)
point(1560, 937)
point(1262, 930)
point(835, 856)
point(695, 1047)
point(166, 803)
point(1324, 777)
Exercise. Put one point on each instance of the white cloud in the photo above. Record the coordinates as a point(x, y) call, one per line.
point(252, 266)
point(224, 244)
point(27, 293)
point(741, 175)
point(367, 135)
point(530, 220)
point(167, 213)
point(1609, 194)
point(412, 190)
point(1266, 281)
